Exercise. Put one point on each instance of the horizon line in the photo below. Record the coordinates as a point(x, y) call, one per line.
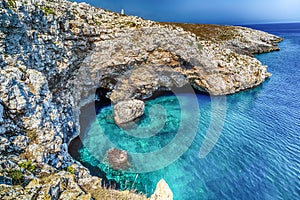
point(236, 24)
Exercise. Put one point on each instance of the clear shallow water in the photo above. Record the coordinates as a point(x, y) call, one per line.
point(258, 153)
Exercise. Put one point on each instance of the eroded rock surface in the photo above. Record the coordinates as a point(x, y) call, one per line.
point(127, 111)
point(55, 54)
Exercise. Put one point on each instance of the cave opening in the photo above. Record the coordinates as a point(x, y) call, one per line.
point(101, 102)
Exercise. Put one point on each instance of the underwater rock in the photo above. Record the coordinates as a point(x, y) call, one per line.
point(117, 159)
point(127, 111)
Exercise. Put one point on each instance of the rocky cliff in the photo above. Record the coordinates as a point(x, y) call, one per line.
point(55, 54)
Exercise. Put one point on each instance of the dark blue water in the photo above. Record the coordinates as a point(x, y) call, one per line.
point(257, 155)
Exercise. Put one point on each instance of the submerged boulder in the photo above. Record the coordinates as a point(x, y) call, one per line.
point(117, 159)
point(127, 111)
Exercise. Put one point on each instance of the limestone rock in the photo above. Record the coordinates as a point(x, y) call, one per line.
point(54, 191)
point(127, 111)
point(20, 142)
point(61, 185)
point(4, 144)
point(5, 180)
point(162, 191)
point(141, 82)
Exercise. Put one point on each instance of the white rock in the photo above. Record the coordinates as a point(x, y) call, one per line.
point(162, 191)
point(3, 143)
point(20, 142)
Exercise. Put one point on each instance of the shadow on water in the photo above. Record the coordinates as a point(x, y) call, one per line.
point(85, 120)
point(74, 146)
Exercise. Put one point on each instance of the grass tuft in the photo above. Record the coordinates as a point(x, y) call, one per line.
point(16, 176)
point(48, 11)
point(211, 32)
point(200, 47)
point(12, 4)
point(28, 165)
point(70, 169)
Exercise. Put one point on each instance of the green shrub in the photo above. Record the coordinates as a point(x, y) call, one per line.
point(12, 3)
point(27, 165)
point(200, 47)
point(70, 169)
point(48, 11)
point(98, 23)
point(16, 176)
point(131, 24)
point(22, 70)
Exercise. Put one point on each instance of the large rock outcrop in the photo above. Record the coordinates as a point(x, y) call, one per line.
point(55, 54)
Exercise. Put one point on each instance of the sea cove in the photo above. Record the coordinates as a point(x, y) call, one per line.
point(101, 105)
point(256, 156)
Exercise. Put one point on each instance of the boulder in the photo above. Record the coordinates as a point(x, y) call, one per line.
point(127, 111)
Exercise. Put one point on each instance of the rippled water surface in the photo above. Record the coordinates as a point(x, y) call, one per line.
point(257, 155)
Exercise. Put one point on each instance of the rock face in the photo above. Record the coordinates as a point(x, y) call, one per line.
point(240, 40)
point(117, 159)
point(55, 54)
point(127, 111)
point(162, 191)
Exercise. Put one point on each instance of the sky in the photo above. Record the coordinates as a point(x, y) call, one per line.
point(207, 11)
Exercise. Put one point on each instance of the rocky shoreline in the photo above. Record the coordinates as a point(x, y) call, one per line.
point(56, 54)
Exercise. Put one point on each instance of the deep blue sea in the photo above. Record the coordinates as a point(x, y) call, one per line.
point(257, 155)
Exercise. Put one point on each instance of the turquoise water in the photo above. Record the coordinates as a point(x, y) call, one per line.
point(257, 155)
